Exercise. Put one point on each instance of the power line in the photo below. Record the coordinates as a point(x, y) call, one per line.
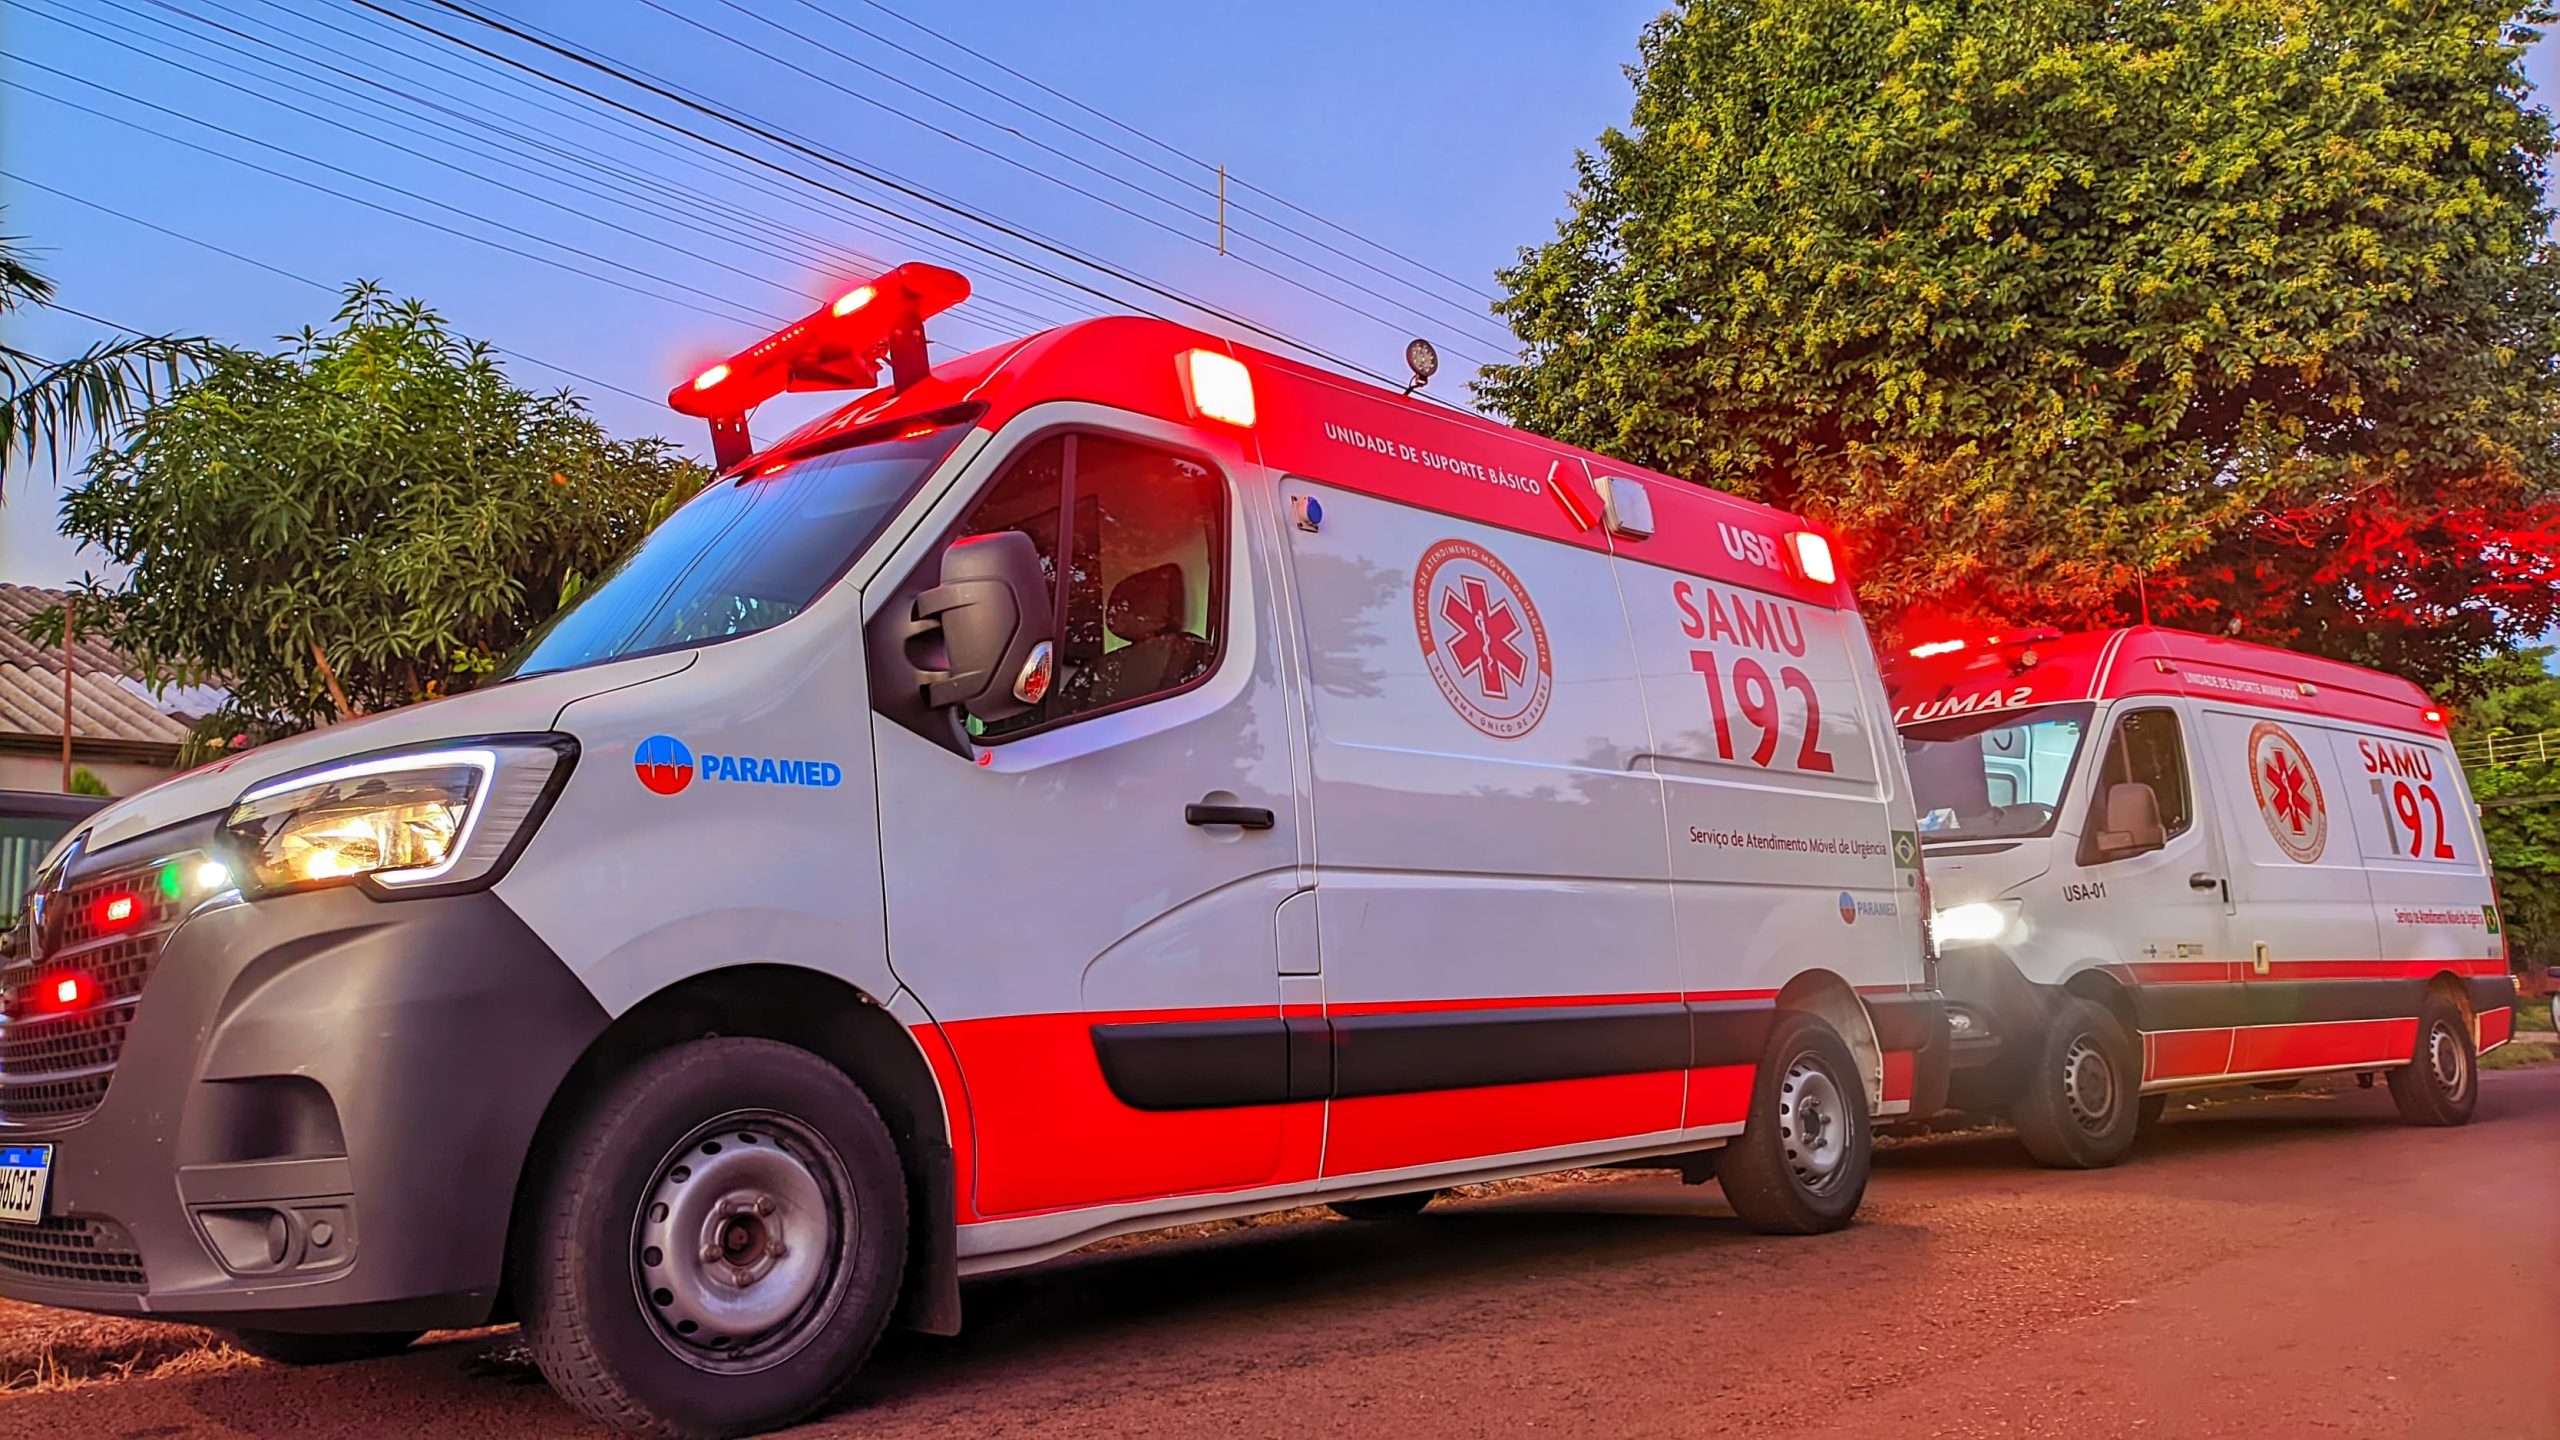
point(1317, 292)
point(261, 92)
point(734, 318)
point(278, 270)
point(1168, 149)
point(796, 146)
point(541, 98)
point(258, 94)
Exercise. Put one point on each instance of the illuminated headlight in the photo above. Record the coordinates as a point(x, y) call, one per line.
point(1973, 924)
point(432, 819)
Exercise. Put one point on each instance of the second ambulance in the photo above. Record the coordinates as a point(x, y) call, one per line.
point(2166, 860)
point(1111, 780)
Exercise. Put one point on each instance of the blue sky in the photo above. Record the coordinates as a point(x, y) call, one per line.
point(1442, 132)
point(1433, 134)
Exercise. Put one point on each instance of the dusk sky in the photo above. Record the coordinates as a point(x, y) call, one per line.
point(1438, 135)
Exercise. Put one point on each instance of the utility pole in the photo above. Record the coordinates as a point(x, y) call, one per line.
point(70, 629)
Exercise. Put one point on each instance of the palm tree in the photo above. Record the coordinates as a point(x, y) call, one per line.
point(48, 407)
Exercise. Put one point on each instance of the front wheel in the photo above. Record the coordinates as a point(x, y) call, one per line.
point(719, 1244)
point(2080, 1106)
point(1800, 1165)
point(2441, 1083)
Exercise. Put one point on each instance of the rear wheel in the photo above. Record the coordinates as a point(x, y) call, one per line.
point(2081, 1102)
point(1800, 1165)
point(2441, 1083)
point(719, 1244)
point(284, 1347)
point(1385, 1207)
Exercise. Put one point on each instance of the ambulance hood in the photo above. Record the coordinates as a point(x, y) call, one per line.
point(530, 704)
point(1986, 870)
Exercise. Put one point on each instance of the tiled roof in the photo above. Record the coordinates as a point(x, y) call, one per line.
point(106, 705)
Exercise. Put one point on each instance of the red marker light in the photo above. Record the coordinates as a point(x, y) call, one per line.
point(116, 910)
point(68, 991)
point(2435, 717)
point(710, 377)
point(1936, 647)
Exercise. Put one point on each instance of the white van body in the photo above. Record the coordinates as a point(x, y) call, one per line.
point(1412, 801)
point(2300, 883)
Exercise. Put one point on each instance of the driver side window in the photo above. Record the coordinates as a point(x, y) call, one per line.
point(2149, 749)
point(1138, 566)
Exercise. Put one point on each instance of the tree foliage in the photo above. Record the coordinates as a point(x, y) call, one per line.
point(50, 407)
point(375, 512)
point(2519, 697)
point(2052, 307)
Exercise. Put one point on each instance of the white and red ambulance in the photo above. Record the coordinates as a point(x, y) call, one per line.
point(2165, 860)
point(1114, 779)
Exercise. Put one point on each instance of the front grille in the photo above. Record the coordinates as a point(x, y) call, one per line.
point(56, 1066)
point(72, 1250)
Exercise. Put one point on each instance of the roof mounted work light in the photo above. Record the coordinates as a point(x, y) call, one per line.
point(841, 346)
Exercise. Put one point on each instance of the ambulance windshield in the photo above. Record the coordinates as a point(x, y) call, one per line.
point(744, 555)
point(1995, 776)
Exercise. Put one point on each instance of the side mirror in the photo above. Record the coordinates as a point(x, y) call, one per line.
point(992, 609)
point(2129, 825)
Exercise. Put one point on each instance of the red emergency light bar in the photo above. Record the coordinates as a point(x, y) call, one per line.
point(1988, 642)
point(839, 347)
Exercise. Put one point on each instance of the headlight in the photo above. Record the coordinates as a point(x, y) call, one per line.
point(1973, 924)
point(430, 819)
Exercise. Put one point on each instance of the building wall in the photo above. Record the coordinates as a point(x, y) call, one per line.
point(44, 772)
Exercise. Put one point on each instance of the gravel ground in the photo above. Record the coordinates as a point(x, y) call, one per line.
point(2288, 1265)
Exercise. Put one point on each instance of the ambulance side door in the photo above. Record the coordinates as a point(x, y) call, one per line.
point(1085, 898)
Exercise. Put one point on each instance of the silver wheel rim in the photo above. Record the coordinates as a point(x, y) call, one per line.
point(2089, 1085)
point(1813, 1124)
point(736, 1249)
point(2446, 1062)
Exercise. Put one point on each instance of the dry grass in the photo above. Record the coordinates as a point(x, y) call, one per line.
point(44, 1350)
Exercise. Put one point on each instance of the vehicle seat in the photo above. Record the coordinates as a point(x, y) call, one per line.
point(1145, 609)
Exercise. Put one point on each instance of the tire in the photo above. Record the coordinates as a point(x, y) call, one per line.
point(1800, 1164)
point(2081, 1101)
point(772, 1167)
point(284, 1347)
point(2147, 1118)
point(2441, 1083)
point(1384, 1207)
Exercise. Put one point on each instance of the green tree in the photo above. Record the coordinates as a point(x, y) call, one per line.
point(2519, 698)
point(2243, 308)
point(50, 407)
point(371, 517)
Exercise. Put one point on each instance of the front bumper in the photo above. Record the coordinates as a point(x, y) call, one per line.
point(318, 1120)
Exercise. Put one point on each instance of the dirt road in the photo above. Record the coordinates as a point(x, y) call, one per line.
point(2298, 1265)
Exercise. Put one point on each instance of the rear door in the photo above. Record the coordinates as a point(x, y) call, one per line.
point(1767, 725)
point(2420, 836)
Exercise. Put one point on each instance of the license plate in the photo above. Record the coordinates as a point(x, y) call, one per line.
point(24, 1173)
